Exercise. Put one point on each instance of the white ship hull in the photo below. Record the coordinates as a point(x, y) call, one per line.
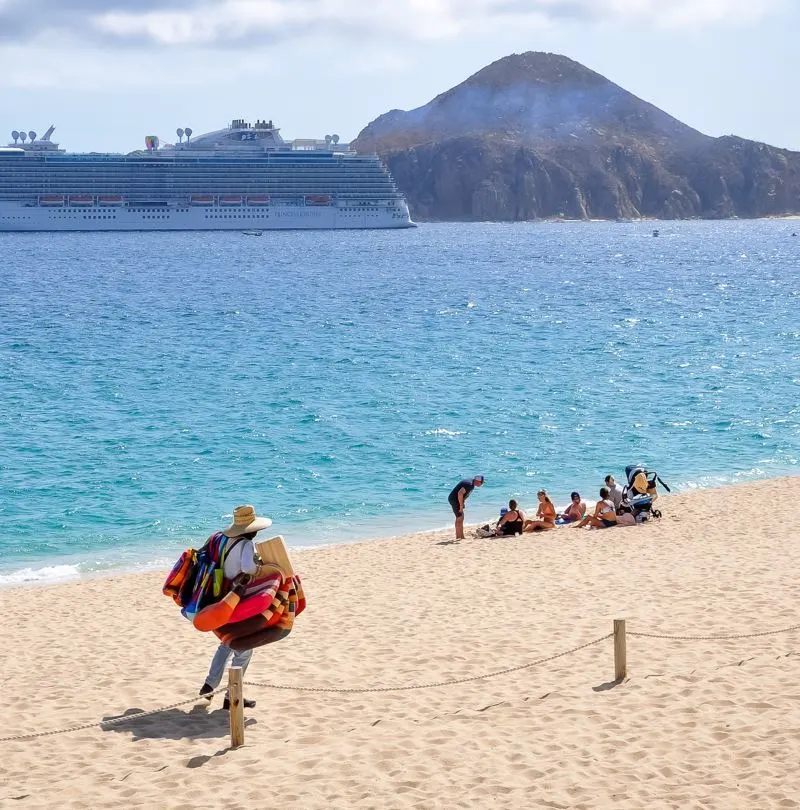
point(15, 216)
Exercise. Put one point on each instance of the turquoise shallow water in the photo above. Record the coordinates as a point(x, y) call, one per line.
point(344, 381)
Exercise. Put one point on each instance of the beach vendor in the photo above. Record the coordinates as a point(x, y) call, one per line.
point(240, 566)
point(458, 496)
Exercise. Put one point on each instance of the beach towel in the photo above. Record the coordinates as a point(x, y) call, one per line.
point(269, 626)
point(259, 597)
point(262, 613)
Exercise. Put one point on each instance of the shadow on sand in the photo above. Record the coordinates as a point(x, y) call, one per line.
point(604, 687)
point(175, 724)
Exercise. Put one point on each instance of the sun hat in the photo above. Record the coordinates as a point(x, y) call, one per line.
point(245, 521)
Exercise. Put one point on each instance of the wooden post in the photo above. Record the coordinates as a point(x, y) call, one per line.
point(237, 706)
point(620, 653)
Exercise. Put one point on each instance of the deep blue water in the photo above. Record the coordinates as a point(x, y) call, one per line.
point(344, 381)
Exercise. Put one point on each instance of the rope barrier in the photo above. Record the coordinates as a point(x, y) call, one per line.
point(114, 721)
point(197, 698)
point(716, 638)
point(409, 687)
point(374, 689)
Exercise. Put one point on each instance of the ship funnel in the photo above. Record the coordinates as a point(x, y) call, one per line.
point(15, 135)
point(32, 136)
point(179, 133)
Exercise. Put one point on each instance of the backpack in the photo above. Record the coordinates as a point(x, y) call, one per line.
point(197, 578)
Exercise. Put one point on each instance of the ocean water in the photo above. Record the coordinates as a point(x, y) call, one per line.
point(343, 382)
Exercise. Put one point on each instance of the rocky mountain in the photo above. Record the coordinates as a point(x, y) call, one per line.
point(538, 135)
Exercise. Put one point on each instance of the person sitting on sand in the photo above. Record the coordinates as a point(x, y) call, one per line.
point(511, 521)
point(545, 515)
point(615, 491)
point(605, 515)
point(575, 511)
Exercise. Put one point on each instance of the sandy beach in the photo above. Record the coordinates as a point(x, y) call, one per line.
point(700, 724)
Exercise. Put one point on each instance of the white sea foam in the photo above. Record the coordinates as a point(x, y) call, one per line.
point(72, 572)
point(47, 575)
point(444, 432)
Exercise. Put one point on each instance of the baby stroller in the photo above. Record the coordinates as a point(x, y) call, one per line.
point(640, 493)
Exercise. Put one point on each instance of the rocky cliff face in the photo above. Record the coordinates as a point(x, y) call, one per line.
point(538, 135)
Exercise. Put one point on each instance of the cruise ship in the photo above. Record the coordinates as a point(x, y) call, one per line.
point(243, 177)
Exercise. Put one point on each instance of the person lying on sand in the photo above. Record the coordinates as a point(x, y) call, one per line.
point(545, 515)
point(605, 515)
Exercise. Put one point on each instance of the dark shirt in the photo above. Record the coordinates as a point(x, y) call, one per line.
point(468, 487)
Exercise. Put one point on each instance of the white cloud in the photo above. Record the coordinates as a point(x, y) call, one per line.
point(226, 22)
point(688, 13)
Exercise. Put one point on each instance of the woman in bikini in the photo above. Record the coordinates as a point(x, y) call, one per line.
point(511, 522)
point(545, 515)
point(605, 515)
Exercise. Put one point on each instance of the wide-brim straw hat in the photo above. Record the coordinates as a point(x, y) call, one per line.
point(245, 520)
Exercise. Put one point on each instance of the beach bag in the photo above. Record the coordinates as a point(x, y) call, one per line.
point(198, 577)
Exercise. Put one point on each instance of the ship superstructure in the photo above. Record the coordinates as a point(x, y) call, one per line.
point(242, 177)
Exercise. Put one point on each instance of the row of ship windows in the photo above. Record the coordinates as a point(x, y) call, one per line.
point(206, 165)
point(259, 215)
point(76, 214)
point(350, 194)
point(314, 185)
point(229, 179)
point(27, 171)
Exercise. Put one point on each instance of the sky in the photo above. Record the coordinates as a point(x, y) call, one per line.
point(108, 72)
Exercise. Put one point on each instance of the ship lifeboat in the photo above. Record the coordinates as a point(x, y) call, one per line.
point(51, 200)
point(110, 199)
point(258, 199)
point(318, 199)
point(230, 199)
point(201, 199)
point(81, 199)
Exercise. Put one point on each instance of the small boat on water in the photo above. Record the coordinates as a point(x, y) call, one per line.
point(252, 233)
point(655, 233)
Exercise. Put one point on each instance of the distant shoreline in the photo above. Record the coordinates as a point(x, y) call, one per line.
point(163, 562)
point(421, 221)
